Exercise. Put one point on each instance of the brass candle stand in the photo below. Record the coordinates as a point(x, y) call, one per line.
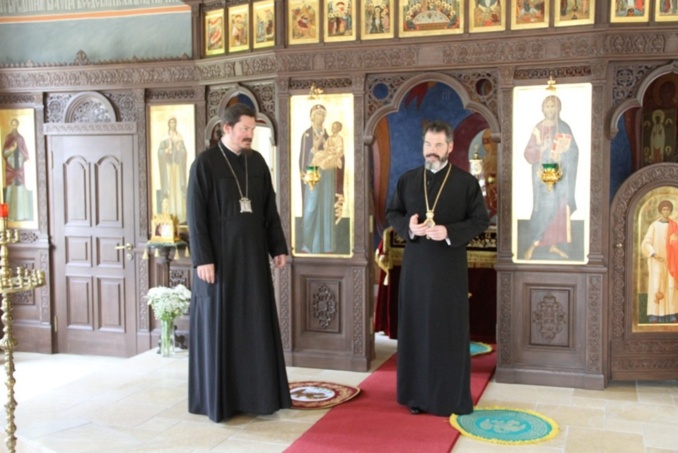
point(311, 176)
point(12, 282)
point(550, 174)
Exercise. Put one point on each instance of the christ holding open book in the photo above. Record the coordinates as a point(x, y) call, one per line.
point(552, 142)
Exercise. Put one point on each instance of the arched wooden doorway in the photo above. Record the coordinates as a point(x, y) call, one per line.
point(394, 136)
point(643, 309)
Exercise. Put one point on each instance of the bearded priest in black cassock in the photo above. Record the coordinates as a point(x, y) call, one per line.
point(236, 361)
point(438, 208)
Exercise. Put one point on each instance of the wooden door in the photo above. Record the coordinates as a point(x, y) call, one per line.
point(641, 348)
point(92, 190)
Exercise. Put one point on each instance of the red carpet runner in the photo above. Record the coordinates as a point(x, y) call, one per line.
point(374, 422)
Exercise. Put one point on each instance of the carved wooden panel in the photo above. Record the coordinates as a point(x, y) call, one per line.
point(550, 328)
point(24, 298)
point(505, 334)
point(550, 316)
point(323, 306)
point(89, 108)
point(32, 332)
point(626, 78)
point(285, 277)
point(180, 276)
point(330, 327)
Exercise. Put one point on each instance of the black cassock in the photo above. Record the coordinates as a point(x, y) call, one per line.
point(434, 358)
point(236, 361)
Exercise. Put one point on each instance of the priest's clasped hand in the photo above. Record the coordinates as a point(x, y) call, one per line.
point(436, 233)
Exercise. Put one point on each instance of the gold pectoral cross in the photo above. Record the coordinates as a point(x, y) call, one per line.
point(429, 219)
point(429, 210)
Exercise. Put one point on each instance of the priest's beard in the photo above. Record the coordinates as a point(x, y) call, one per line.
point(437, 164)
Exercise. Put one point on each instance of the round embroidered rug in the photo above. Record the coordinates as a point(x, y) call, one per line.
point(320, 395)
point(478, 348)
point(503, 425)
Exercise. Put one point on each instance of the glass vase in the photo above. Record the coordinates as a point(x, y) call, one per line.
point(167, 337)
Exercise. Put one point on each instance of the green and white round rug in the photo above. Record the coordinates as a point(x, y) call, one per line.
point(502, 425)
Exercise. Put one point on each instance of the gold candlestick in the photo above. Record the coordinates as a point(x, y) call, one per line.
point(23, 280)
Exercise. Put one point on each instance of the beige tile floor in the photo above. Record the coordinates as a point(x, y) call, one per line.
point(79, 404)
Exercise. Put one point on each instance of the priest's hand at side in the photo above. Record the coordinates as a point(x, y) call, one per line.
point(206, 272)
point(279, 261)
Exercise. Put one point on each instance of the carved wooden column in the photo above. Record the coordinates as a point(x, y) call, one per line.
point(328, 324)
point(551, 317)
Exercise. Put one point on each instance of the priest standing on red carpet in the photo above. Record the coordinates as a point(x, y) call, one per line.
point(438, 208)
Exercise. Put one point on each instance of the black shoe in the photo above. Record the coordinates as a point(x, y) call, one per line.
point(415, 410)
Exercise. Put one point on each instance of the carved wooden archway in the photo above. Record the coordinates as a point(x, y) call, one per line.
point(636, 353)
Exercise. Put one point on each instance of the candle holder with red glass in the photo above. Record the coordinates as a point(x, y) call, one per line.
point(22, 279)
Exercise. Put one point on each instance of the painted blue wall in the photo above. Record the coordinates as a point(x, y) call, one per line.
point(620, 158)
point(157, 36)
point(438, 102)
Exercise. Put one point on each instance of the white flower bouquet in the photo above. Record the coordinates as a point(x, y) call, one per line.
point(168, 303)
